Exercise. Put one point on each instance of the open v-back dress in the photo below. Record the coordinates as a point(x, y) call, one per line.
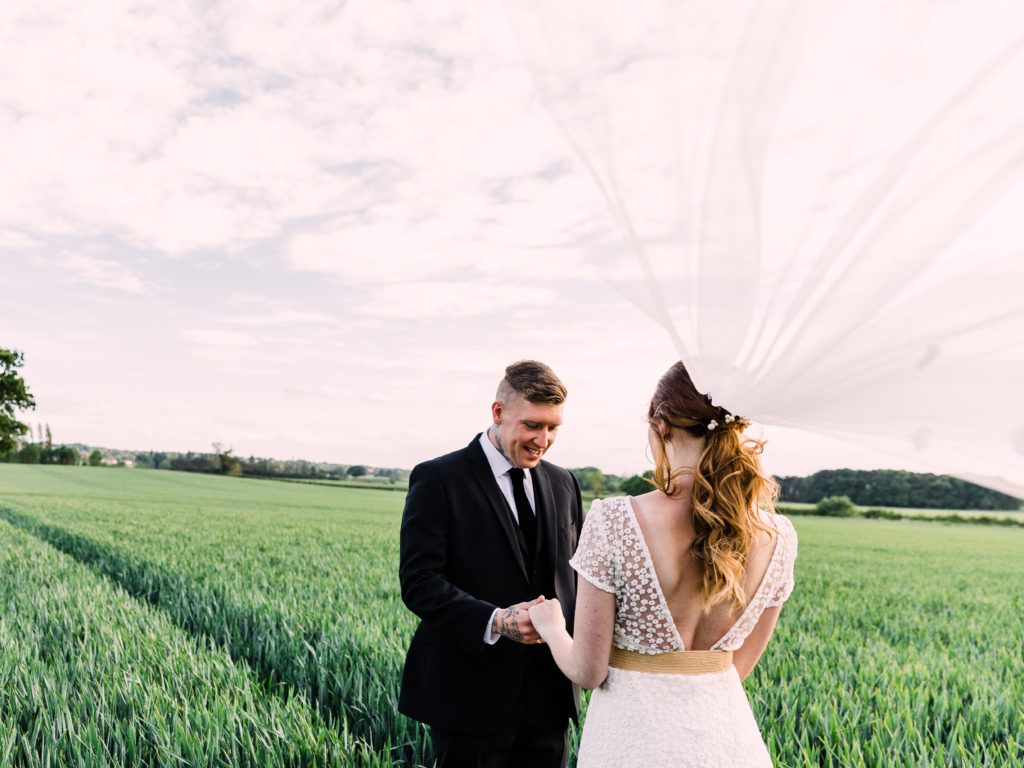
point(640, 718)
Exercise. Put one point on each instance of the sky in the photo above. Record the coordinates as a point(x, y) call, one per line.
point(315, 230)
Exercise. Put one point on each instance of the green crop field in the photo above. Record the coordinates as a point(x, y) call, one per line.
point(162, 618)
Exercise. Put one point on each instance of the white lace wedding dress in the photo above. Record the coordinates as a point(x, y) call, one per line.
point(644, 719)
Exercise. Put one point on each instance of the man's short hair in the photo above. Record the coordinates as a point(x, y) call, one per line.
point(533, 381)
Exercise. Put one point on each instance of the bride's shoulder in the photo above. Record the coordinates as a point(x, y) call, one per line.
point(784, 531)
point(776, 522)
point(775, 527)
point(784, 526)
point(614, 506)
point(612, 502)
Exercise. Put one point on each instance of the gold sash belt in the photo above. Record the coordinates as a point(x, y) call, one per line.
point(672, 663)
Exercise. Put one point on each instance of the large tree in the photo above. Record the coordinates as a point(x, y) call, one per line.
point(14, 396)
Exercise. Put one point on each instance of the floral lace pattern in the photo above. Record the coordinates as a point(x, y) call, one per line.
point(682, 721)
point(613, 556)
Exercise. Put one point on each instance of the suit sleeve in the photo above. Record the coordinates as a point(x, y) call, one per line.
point(423, 547)
point(577, 512)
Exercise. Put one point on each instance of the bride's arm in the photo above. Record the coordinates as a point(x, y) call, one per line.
point(746, 657)
point(583, 658)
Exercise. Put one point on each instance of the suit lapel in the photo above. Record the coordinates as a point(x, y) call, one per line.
point(481, 471)
point(546, 513)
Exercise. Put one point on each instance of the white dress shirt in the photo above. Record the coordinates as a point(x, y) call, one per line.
point(500, 467)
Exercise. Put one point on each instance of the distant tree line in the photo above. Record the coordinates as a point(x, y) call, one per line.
point(223, 461)
point(39, 449)
point(865, 488)
point(893, 488)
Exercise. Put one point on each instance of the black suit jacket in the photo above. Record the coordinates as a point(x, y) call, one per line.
point(460, 559)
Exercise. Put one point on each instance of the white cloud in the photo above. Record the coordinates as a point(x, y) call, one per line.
point(456, 298)
point(216, 128)
point(321, 391)
point(10, 239)
point(282, 318)
point(374, 253)
point(104, 273)
point(219, 340)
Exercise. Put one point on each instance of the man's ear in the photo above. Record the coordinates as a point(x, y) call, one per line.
point(496, 410)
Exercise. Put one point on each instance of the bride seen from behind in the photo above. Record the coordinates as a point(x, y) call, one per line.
point(680, 592)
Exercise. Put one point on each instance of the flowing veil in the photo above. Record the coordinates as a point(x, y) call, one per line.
point(819, 201)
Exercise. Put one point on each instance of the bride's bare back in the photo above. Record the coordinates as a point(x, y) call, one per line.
point(667, 528)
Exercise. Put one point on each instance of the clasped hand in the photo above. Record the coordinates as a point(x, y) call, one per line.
point(547, 617)
point(519, 622)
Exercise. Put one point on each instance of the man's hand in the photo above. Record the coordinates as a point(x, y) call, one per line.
point(547, 617)
point(515, 624)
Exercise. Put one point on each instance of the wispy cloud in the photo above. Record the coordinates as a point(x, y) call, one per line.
point(282, 318)
point(104, 273)
point(9, 239)
point(219, 340)
point(322, 391)
point(464, 298)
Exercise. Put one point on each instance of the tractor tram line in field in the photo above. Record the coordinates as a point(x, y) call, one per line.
point(92, 677)
point(196, 611)
point(191, 608)
point(290, 656)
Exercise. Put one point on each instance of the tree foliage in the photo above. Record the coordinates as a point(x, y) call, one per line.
point(14, 396)
point(593, 480)
point(836, 506)
point(894, 488)
point(229, 465)
point(638, 484)
point(30, 453)
point(67, 456)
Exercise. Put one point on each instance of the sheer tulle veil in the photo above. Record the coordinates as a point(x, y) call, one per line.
point(819, 201)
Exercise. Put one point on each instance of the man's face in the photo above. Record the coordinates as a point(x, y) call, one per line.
point(525, 430)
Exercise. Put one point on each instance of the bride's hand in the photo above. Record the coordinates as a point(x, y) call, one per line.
point(547, 617)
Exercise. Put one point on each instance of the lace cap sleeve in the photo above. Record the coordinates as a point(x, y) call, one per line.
point(775, 588)
point(595, 556)
point(783, 585)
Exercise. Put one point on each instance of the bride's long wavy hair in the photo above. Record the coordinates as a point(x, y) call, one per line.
point(729, 485)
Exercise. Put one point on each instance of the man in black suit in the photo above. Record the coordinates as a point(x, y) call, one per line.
point(487, 531)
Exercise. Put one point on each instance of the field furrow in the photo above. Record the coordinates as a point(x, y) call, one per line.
point(344, 658)
point(88, 676)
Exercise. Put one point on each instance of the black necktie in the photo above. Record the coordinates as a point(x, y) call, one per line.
point(527, 521)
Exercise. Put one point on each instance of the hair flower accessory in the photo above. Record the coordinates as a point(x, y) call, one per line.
point(729, 418)
point(712, 424)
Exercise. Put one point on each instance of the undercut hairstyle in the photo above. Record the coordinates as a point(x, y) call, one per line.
point(534, 381)
point(729, 489)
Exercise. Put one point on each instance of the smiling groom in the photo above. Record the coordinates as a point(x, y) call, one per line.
point(486, 531)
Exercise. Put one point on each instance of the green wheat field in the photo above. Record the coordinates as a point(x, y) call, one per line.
point(154, 618)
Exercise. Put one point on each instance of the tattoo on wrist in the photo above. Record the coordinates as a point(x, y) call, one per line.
point(508, 624)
